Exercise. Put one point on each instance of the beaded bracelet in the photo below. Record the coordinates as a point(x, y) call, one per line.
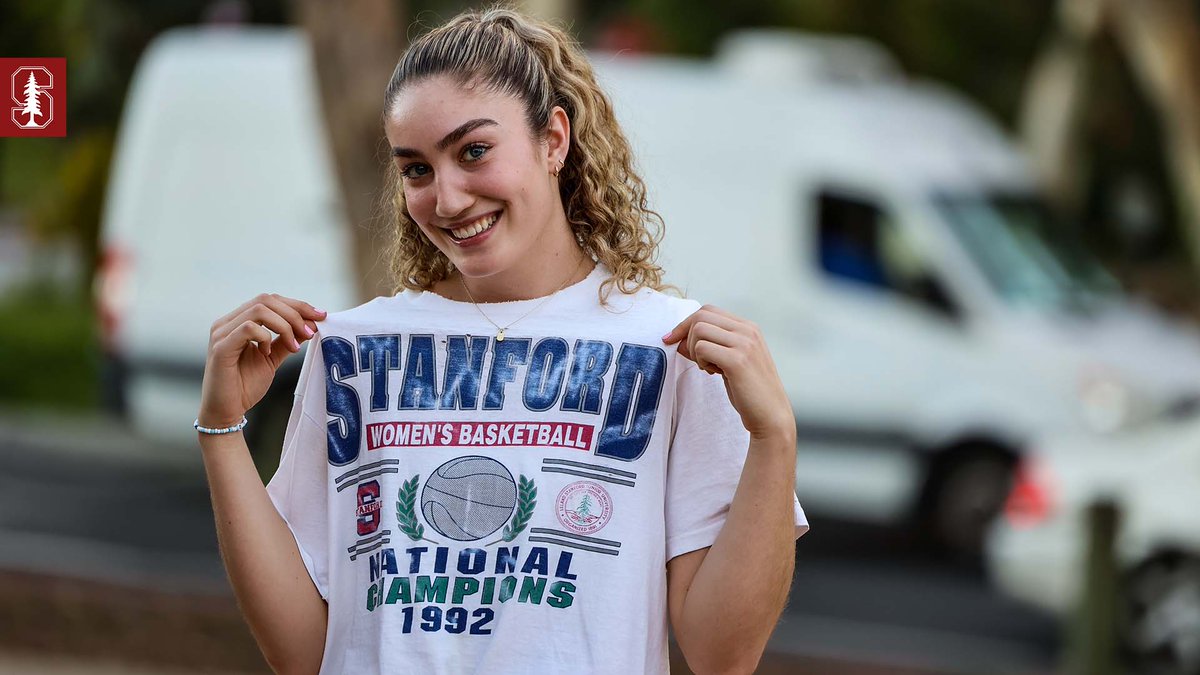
point(227, 430)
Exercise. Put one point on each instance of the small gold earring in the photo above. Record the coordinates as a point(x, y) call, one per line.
point(558, 168)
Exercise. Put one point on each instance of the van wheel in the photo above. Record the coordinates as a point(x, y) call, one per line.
point(267, 425)
point(967, 493)
point(1159, 620)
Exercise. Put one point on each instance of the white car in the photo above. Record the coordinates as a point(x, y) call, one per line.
point(1037, 551)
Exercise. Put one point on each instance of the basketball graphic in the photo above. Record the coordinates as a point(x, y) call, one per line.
point(468, 497)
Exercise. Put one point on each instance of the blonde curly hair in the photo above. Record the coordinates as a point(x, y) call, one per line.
point(538, 63)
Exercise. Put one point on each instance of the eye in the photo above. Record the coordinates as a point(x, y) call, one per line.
point(475, 152)
point(414, 171)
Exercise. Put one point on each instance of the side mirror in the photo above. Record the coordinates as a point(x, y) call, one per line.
point(930, 291)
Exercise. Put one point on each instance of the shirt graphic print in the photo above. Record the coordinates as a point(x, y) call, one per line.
point(471, 504)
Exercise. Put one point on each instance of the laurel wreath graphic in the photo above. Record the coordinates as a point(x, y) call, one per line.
point(526, 502)
point(406, 511)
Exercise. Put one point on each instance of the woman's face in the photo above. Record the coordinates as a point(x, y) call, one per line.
point(475, 180)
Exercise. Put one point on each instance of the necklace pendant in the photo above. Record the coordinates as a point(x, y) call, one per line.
point(500, 336)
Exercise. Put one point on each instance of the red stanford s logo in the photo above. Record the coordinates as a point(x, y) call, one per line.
point(37, 97)
point(367, 512)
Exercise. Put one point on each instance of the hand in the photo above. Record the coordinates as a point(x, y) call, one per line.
point(724, 344)
point(243, 357)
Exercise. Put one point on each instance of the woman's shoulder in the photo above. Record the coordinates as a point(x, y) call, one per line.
point(375, 309)
point(663, 302)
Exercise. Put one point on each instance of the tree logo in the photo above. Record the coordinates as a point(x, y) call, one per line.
point(37, 93)
point(583, 507)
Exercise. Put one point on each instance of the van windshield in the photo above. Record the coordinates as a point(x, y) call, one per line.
point(1028, 257)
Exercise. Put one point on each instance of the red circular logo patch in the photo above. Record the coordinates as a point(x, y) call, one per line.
point(583, 507)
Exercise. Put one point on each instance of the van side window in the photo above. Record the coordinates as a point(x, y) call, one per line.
point(849, 240)
point(857, 242)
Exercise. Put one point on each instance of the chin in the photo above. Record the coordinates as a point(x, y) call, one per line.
point(478, 267)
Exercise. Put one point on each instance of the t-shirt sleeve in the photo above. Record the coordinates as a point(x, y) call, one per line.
point(299, 487)
point(704, 464)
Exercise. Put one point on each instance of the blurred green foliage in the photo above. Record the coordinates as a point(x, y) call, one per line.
point(52, 360)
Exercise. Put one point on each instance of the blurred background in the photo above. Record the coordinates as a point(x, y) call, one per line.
point(969, 230)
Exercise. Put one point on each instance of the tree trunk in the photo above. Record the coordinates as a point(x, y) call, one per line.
point(1162, 41)
point(356, 44)
point(1054, 101)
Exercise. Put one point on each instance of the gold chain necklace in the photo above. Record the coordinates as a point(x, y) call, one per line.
point(500, 330)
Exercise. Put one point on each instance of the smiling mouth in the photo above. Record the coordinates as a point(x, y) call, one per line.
point(476, 228)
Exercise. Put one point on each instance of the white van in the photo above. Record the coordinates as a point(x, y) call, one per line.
point(885, 236)
point(222, 187)
point(928, 317)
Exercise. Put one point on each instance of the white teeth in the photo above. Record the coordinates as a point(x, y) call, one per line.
point(474, 228)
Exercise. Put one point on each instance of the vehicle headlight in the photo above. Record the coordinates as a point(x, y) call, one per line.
point(1106, 403)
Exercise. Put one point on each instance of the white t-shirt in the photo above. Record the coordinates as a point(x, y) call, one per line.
point(467, 504)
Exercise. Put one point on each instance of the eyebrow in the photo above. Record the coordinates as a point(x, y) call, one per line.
point(456, 135)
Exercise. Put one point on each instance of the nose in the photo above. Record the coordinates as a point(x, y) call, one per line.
point(453, 197)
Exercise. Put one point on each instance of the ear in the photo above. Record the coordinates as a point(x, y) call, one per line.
point(558, 138)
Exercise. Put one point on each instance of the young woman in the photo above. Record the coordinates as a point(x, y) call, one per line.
point(507, 466)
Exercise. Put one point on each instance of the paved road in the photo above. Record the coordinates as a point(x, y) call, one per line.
point(871, 593)
point(83, 499)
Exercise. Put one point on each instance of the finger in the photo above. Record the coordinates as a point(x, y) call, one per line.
point(723, 312)
point(714, 358)
point(303, 307)
point(698, 330)
point(292, 315)
point(296, 313)
point(299, 314)
point(307, 310)
point(247, 332)
point(708, 332)
point(707, 314)
point(268, 317)
point(259, 313)
point(681, 329)
point(280, 355)
point(280, 351)
point(241, 309)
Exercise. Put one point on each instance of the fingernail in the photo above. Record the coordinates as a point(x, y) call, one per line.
point(319, 311)
point(295, 345)
point(308, 331)
point(666, 336)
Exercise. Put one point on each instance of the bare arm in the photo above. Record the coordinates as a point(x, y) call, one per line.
point(282, 606)
point(279, 600)
point(725, 600)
